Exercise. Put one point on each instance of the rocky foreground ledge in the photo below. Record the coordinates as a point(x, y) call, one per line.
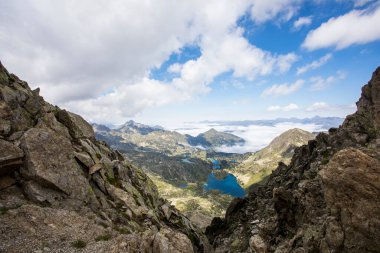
point(61, 190)
point(327, 200)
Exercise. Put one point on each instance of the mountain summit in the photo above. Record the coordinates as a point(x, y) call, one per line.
point(325, 200)
point(213, 138)
point(134, 127)
point(259, 165)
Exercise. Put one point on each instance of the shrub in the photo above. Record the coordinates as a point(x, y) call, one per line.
point(103, 238)
point(79, 244)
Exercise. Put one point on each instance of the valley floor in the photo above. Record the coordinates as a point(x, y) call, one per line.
point(198, 204)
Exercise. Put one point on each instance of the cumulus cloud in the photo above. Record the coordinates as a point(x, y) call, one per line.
point(96, 65)
point(314, 65)
point(283, 89)
point(289, 107)
point(355, 27)
point(284, 10)
point(317, 106)
point(302, 21)
point(321, 83)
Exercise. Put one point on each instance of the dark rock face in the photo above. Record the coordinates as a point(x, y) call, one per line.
point(10, 157)
point(326, 200)
point(61, 189)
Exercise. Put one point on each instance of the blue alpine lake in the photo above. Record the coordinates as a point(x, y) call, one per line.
point(228, 185)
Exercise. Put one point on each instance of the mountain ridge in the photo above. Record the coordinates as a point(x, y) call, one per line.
point(260, 164)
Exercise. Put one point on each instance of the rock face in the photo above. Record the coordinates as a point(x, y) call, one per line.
point(325, 200)
point(62, 190)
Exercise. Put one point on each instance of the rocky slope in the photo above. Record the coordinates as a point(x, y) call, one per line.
point(281, 149)
point(146, 138)
point(61, 190)
point(325, 200)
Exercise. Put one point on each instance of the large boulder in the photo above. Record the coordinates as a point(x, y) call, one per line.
point(351, 186)
point(78, 127)
point(49, 160)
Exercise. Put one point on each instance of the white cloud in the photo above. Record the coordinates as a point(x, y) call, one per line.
point(284, 62)
point(322, 107)
point(257, 137)
point(283, 89)
point(302, 21)
point(317, 106)
point(360, 3)
point(289, 107)
point(355, 27)
point(283, 10)
point(320, 83)
point(274, 108)
point(313, 65)
point(175, 68)
point(83, 63)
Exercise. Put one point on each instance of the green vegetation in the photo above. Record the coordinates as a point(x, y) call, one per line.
point(260, 165)
point(79, 244)
point(105, 237)
point(3, 210)
point(193, 197)
point(111, 179)
point(259, 177)
point(121, 230)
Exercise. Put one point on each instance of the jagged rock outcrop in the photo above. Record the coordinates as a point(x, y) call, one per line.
point(61, 190)
point(325, 200)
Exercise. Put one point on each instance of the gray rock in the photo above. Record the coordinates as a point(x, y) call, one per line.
point(49, 160)
point(6, 181)
point(258, 244)
point(10, 157)
point(351, 181)
point(78, 127)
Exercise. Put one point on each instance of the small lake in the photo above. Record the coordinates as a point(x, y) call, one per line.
point(228, 185)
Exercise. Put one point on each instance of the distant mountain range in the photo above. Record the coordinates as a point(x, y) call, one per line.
point(161, 140)
point(173, 156)
point(324, 122)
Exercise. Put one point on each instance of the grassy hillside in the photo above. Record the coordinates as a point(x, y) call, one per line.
point(261, 164)
point(198, 204)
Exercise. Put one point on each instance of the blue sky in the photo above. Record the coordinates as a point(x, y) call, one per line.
point(164, 62)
